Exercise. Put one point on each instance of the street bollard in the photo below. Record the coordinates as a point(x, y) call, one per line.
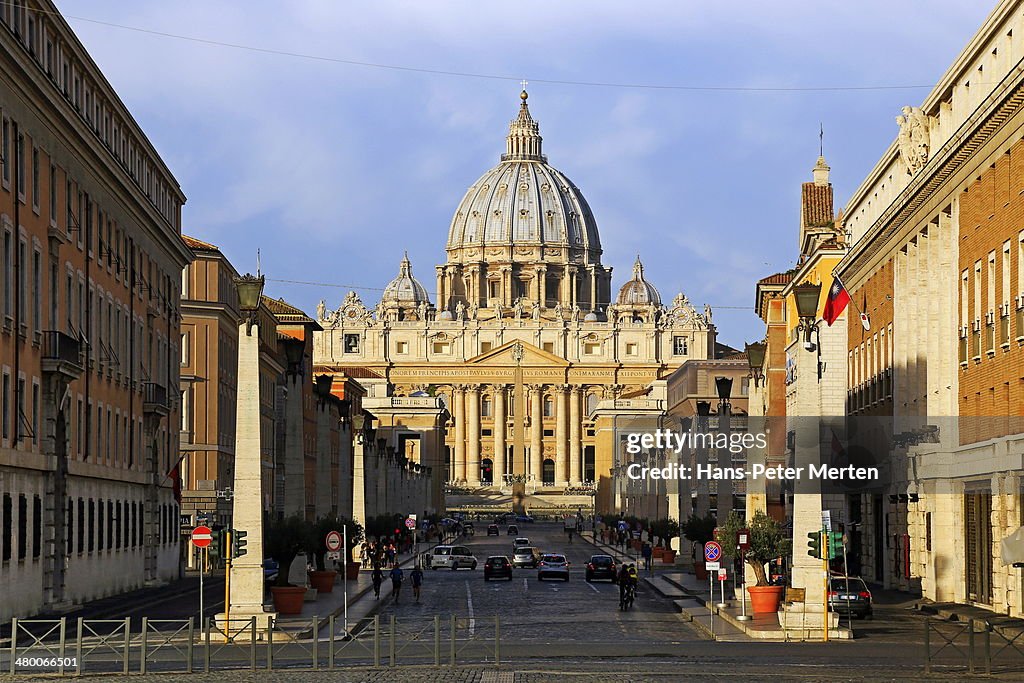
point(437, 640)
point(14, 644)
point(270, 643)
point(191, 642)
point(376, 640)
point(252, 643)
point(127, 643)
point(206, 650)
point(316, 643)
point(145, 645)
point(78, 647)
point(63, 636)
point(451, 651)
point(987, 643)
point(391, 642)
point(970, 646)
point(497, 641)
point(927, 647)
point(330, 643)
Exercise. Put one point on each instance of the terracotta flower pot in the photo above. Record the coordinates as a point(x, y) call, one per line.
point(288, 599)
point(700, 570)
point(323, 581)
point(668, 556)
point(765, 599)
point(352, 571)
point(658, 552)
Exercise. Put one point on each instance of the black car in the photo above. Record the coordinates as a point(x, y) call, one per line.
point(513, 530)
point(492, 530)
point(497, 565)
point(601, 567)
point(849, 596)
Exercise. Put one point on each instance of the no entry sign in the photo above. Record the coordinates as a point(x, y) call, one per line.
point(712, 551)
point(333, 541)
point(202, 536)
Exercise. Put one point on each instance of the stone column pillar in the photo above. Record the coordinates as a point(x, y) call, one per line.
point(573, 286)
point(294, 456)
point(499, 434)
point(542, 275)
point(593, 288)
point(473, 434)
point(506, 278)
point(459, 415)
point(575, 430)
point(561, 417)
point(442, 298)
point(246, 596)
point(537, 432)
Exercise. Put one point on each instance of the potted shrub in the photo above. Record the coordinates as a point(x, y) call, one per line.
point(283, 540)
point(767, 542)
point(321, 577)
point(355, 537)
point(699, 530)
point(665, 529)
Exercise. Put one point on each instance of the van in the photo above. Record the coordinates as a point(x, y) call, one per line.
point(452, 557)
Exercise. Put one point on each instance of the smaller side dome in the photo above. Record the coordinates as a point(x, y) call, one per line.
point(405, 290)
point(638, 291)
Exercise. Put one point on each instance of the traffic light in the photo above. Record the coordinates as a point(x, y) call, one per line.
point(814, 544)
point(835, 544)
point(216, 547)
point(239, 543)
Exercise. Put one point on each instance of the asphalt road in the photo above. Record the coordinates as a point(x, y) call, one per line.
point(540, 612)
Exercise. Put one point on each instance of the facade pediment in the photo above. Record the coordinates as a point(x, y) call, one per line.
point(504, 356)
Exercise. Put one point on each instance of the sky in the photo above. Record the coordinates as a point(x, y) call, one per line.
point(331, 170)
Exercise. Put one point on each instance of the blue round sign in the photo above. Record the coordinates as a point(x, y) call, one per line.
point(712, 551)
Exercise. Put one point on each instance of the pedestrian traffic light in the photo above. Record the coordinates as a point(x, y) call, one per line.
point(239, 543)
point(814, 544)
point(835, 544)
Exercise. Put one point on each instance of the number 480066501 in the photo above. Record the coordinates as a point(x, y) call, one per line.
point(45, 662)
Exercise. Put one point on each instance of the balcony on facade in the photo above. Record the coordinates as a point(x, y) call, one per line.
point(154, 399)
point(62, 355)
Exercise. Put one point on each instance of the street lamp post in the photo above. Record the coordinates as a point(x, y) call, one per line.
point(723, 386)
point(703, 485)
point(245, 594)
point(807, 296)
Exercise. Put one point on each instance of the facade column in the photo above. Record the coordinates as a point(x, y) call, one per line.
point(506, 289)
point(573, 286)
point(498, 467)
point(442, 300)
point(459, 466)
point(575, 429)
point(537, 432)
point(542, 275)
point(593, 288)
point(473, 434)
point(561, 410)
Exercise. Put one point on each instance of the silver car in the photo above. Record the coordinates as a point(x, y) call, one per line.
point(525, 556)
point(452, 557)
point(553, 566)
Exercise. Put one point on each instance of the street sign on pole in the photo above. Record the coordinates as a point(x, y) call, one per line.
point(333, 541)
point(712, 551)
point(410, 523)
point(743, 539)
point(333, 555)
point(202, 536)
point(712, 566)
point(723, 573)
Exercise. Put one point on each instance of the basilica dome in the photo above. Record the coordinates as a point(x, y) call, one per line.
point(638, 291)
point(405, 290)
point(524, 202)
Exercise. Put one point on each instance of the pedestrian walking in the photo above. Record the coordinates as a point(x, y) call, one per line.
point(417, 581)
point(396, 582)
point(378, 579)
point(647, 552)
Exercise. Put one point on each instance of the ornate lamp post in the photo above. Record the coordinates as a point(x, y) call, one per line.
point(755, 357)
point(245, 595)
point(807, 296)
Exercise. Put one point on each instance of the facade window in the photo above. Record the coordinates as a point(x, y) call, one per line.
point(351, 343)
point(631, 349)
point(8, 528)
point(70, 522)
point(35, 414)
point(486, 346)
point(37, 526)
point(20, 162)
point(22, 526)
point(548, 346)
point(493, 289)
point(442, 347)
point(549, 407)
point(402, 347)
point(99, 526)
point(679, 346)
point(7, 407)
point(37, 290)
point(184, 345)
point(53, 194)
point(35, 178)
point(8, 266)
point(81, 524)
point(6, 145)
point(591, 348)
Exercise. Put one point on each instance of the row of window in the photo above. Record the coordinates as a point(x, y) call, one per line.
point(71, 78)
point(680, 346)
point(91, 526)
point(976, 297)
point(871, 357)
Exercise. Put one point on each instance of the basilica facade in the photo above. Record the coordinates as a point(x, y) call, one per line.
point(524, 336)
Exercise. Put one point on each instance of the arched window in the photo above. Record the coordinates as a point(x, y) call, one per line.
point(591, 403)
point(485, 406)
point(549, 407)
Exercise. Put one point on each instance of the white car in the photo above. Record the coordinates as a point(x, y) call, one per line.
point(452, 557)
point(553, 566)
point(520, 542)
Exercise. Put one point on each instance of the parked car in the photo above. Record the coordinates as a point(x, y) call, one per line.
point(553, 566)
point(849, 596)
point(492, 530)
point(270, 570)
point(524, 518)
point(525, 556)
point(468, 528)
point(513, 530)
point(452, 557)
point(601, 567)
point(520, 542)
point(497, 565)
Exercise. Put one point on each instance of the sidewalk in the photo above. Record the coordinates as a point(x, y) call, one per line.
point(1006, 626)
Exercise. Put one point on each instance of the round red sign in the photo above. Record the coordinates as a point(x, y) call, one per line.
point(202, 536)
point(333, 541)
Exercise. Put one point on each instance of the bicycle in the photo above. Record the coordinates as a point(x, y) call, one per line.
point(628, 597)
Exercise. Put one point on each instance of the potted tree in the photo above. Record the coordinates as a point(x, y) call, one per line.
point(283, 540)
point(321, 577)
point(767, 542)
point(699, 530)
point(355, 537)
